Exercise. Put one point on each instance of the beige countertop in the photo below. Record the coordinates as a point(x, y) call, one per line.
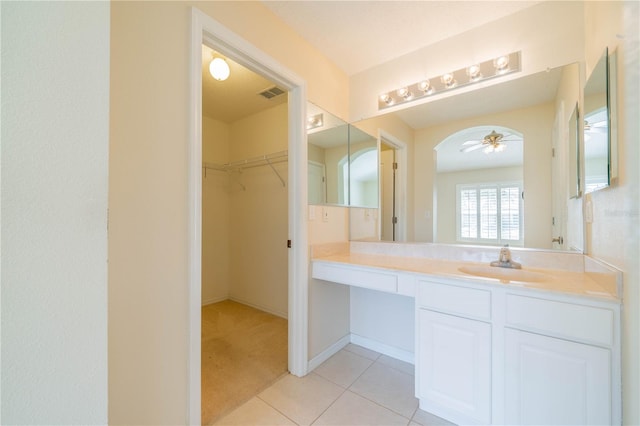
point(595, 285)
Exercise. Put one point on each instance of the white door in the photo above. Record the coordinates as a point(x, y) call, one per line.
point(317, 183)
point(454, 379)
point(387, 194)
point(554, 381)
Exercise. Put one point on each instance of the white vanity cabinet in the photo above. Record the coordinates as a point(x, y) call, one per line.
point(505, 353)
point(500, 355)
point(560, 362)
point(453, 353)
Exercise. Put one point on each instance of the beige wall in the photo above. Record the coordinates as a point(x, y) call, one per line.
point(216, 186)
point(148, 232)
point(258, 222)
point(614, 234)
point(55, 141)
point(328, 302)
point(244, 213)
point(561, 42)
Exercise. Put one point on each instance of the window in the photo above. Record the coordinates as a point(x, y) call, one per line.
point(489, 213)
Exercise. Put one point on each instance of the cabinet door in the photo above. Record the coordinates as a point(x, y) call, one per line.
point(454, 379)
point(555, 381)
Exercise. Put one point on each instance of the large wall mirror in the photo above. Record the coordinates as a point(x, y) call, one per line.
point(597, 128)
point(506, 144)
point(328, 155)
point(342, 162)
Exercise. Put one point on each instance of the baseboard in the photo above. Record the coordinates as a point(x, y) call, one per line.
point(328, 353)
point(214, 300)
point(260, 307)
point(392, 351)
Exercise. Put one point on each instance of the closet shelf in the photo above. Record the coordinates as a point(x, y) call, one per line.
point(263, 160)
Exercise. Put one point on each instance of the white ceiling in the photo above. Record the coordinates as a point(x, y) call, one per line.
point(237, 96)
point(357, 35)
point(449, 157)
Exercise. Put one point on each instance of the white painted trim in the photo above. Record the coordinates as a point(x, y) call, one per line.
point(259, 307)
point(205, 29)
point(329, 352)
point(214, 300)
point(401, 196)
point(387, 350)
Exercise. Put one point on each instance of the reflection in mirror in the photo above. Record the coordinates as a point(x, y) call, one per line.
point(479, 175)
point(535, 107)
point(388, 192)
point(575, 187)
point(328, 155)
point(596, 128)
point(363, 174)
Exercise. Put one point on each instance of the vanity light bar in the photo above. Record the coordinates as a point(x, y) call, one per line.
point(315, 121)
point(474, 73)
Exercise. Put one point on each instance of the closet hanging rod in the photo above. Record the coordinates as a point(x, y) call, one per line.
point(263, 160)
point(260, 159)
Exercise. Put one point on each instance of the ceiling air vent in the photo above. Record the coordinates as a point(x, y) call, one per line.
point(271, 92)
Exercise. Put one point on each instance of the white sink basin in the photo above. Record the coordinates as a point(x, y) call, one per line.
point(504, 274)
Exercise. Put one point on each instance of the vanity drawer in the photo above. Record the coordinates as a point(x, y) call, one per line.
point(588, 324)
point(350, 275)
point(453, 299)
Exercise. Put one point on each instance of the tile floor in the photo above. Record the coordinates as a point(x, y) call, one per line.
point(354, 387)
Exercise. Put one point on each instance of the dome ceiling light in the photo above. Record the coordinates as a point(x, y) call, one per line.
point(480, 71)
point(219, 68)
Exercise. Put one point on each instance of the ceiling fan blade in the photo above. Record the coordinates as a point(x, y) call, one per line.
point(471, 142)
point(472, 148)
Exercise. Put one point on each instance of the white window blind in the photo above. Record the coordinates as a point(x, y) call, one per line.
point(490, 213)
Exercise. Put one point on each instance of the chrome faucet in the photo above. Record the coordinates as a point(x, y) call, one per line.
point(504, 260)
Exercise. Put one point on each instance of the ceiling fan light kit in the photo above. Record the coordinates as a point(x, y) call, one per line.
point(492, 68)
point(493, 142)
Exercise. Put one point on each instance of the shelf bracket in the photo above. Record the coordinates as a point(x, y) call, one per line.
point(275, 171)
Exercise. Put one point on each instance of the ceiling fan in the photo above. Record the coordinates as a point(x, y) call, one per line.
point(595, 126)
point(493, 142)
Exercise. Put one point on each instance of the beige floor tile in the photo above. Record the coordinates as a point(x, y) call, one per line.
point(343, 368)
point(397, 364)
point(427, 419)
point(255, 412)
point(359, 350)
point(351, 409)
point(302, 399)
point(388, 387)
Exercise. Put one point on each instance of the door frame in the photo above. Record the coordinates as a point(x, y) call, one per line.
point(401, 182)
point(206, 30)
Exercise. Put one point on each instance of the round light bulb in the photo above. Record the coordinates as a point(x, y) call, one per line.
point(474, 72)
point(386, 99)
point(448, 80)
point(424, 85)
point(501, 63)
point(404, 93)
point(219, 69)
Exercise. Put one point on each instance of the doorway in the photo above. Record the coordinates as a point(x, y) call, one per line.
point(206, 30)
point(244, 222)
point(392, 187)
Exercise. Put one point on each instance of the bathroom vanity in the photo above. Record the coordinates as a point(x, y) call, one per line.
point(540, 345)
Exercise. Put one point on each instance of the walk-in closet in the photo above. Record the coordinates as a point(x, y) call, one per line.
point(244, 236)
